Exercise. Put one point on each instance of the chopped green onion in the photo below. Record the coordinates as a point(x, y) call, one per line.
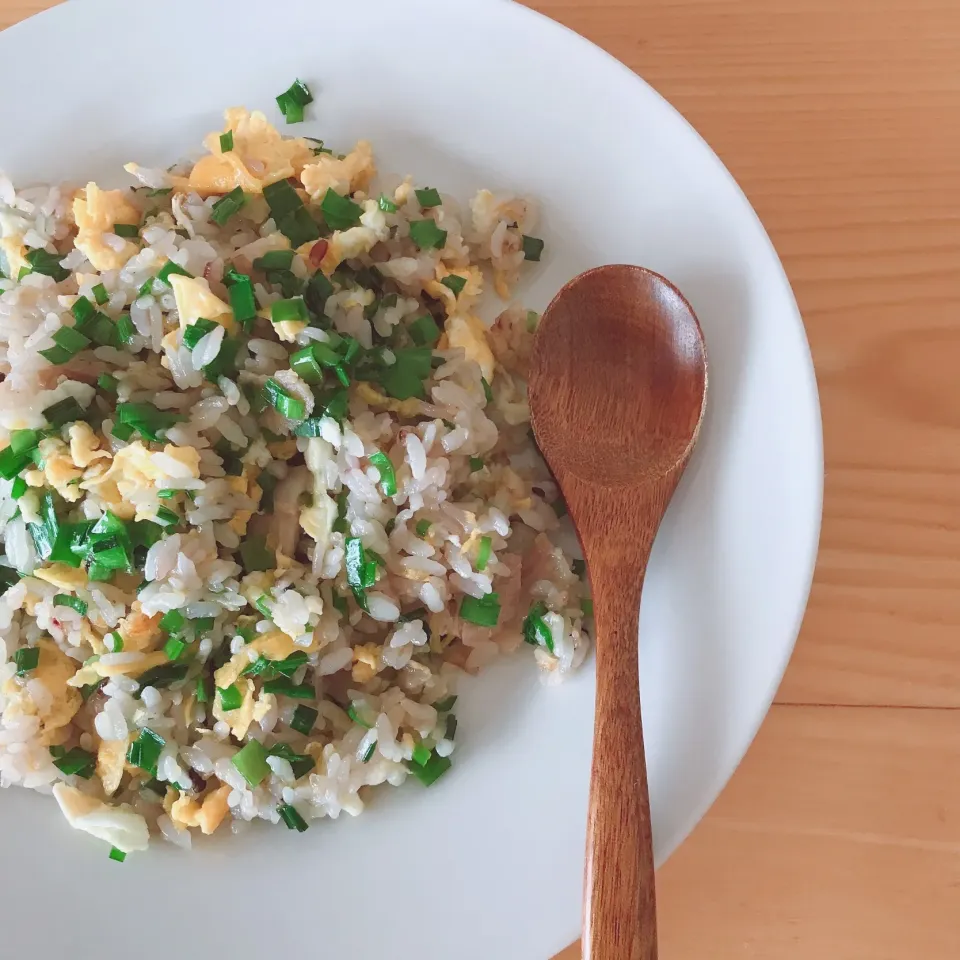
point(533, 318)
point(18, 488)
point(487, 392)
point(421, 755)
point(175, 648)
point(167, 494)
point(170, 268)
point(455, 283)
point(256, 555)
point(560, 507)
point(202, 625)
point(282, 199)
point(306, 366)
point(301, 764)
point(291, 817)
point(361, 572)
point(586, 607)
point(427, 235)
point(428, 197)
point(484, 612)
point(48, 264)
point(270, 669)
point(145, 751)
point(388, 476)
point(83, 310)
point(230, 697)
point(19, 453)
point(129, 231)
point(483, 554)
point(45, 532)
point(172, 621)
point(68, 343)
point(303, 719)
point(65, 600)
point(251, 762)
point(126, 330)
point(386, 204)
point(294, 309)
point(196, 331)
point(445, 705)
point(404, 378)
point(77, 762)
point(243, 302)
point(424, 331)
point(114, 641)
point(532, 248)
point(422, 527)
point(64, 411)
point(107, 383)
point(262, 603)
point(432, 770)
point(451, 730)
point(287, 688)
point(357, 718)
point(369, 752)
point(282, 401)
point(476, 463)
point(226, 141)
point(166, 517)
point(299, 227)
point(147, 420)
point(228, 205)
point(26, 659)
point(292, 101)
point(535, 629)
point(316, 293)
point(202, 690)
point(274, 260)
point(341, 213)
point(118, 855)
point(100, 294)
point(164, 675)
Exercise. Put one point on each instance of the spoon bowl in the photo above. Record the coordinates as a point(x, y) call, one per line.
point(618, 387)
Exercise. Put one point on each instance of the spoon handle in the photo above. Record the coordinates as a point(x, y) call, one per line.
point(620, 915)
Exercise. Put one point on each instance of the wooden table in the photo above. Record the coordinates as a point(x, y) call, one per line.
point(839, 837)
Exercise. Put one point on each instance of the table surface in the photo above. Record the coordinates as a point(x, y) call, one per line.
point(839, 837)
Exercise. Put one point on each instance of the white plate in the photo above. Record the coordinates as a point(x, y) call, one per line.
point(487, 864)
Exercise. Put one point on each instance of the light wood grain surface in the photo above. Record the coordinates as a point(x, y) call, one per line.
point(839, 837)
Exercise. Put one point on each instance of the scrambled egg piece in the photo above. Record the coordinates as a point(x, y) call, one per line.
point(62, 576)
point(472, 289)
point(15, 253)
point(85, 445)
point(121, 828)
point(134, 469)
point(317, 520)
point(260, 156)
point(140, 633)
point(53, 670)
point(356, 241)
point(326, 172)
point(96, 671)
point(97, 212)
point(468, 332)
point(194, 300)
point(379, 401)
point(207, 814)
point(366, 662)
point(111, 762)
point(246, 485)
point(59, 469)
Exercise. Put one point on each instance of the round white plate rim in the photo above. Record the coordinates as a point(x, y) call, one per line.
point(95, 8)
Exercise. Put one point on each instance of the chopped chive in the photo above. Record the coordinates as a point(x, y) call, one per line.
point(126, 330)
point(251, 762)
point(428, 197)
point(341, 213)
point(107, 383)
point(424, 331)
point(262, 603)
point(369, 752)
point(256, 555)
point(427, 235)
point(150, 422)
point(227, 206)
point(421, 755)
point(292, 101)
point(533, 318)
point(270, 669)
point(19, 453)
point(77, 762)
point(100, 294)
point(476, 463)
point(167, 494)
point(48, 264)
point(114, 641)
point(172, 621)
point(586, 606)
point(388, 476)
point(26, 659)
point(65, 600)
point(432, 770)
point(404, 378)
point(386, 204)
point(303, 719)
point(226, 141)
point(451, 731)
point(196, 331)
point(532, 248)
point(316, 294)
point(170, 268)
point(284, 686)
point(274, 260)
point(282, 401)
point(18, 488)
point(202, 690)
point(356, 717)
point(423, 527)
point(291, 817)
point(166, 517)
point(445, 705)
point(82, 310)
point(63, 412)
point(455, 283)
point(145, 751)
point(175, 648)
point(294, 309)
point(535, 629)
point(306, 366)
point(243, 302)
point(483, 554)
point(118, 855)
point(129, 231)
point(164, 675)
point(487, 392)
point(282, 199)
point(484, 612)
point(230, 697)
point(69, 342)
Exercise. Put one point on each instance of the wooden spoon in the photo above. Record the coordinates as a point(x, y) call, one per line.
point(617, 394)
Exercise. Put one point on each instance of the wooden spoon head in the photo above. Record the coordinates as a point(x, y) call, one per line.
point(618, 378)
